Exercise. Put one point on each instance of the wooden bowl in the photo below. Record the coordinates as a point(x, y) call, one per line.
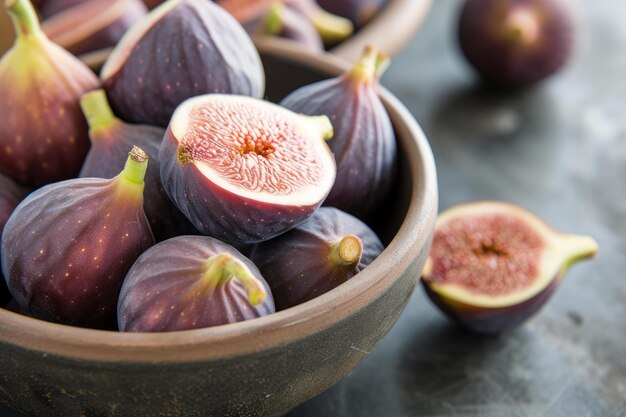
point(260, 367)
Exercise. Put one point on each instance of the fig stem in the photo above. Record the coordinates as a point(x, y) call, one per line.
point(24, 17)
point(97, 109)
point(332, 28)
point(366, 70)
point(578, 248)
point(348, 251)
point(522, 27)
point(136, 166)
point(382, 64)
point(273, 24)
point(322, 125)
point(221, 268)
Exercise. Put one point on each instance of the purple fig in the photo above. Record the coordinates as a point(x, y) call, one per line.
point(245, 170)
point(67, 248)
point(43, 136)
point(93, 25)
point(182, 49)
point(286, 23)
point(191, 282)
point(110, 140)
point(493, 265)
point(364, 142)
point(359, 12)
point(10, 196)
point(320, 254)
point(514, 43)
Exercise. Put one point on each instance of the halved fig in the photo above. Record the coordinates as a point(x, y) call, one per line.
point(245, 170)
point(493, 265)
point(191, 282)
point(182, 49)
point(93, 25)
point(111, 139)
point(320, 254)
point(364, 142)
point(67, 248)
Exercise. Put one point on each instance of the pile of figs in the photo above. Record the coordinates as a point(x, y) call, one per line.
point(165, 194)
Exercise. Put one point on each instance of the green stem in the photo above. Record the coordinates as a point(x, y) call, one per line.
point(366, 70)
point(577, 248)
point(24, 17)
point(382, 64)
point(332, 28)
point(347, 252)
point(136, 166)
point(96, 109)
point(322, 125)
point(273, 24)
point(223, 267)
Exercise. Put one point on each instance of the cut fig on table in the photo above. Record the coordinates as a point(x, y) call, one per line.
point(244, 170)
point(43, 135)
point(181, 49)
point(493, 265)
point(320, 254)
point(191, 282)
point(364, 141)
point(67, 248)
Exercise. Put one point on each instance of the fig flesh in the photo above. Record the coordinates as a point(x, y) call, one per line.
point(10, 196)
point(67, 248)
point(110, 140)
point(182, 49)
point(191, 282)
point(514, 43)
point(43, 136)
point(364, 142)
point(244, 170)
point(320, 254)
point(359, 12)
point(493, 265)
point(93, 25)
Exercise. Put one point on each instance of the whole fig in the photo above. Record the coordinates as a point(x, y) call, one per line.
point(10, 196)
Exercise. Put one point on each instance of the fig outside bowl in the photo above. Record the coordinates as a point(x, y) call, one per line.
point(262, 367)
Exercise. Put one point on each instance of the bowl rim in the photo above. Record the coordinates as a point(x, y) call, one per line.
point(284, 327)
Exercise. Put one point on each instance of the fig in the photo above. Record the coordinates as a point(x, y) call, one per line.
point(43, 136)
point(110, 140)
point(320, 254)
point(493, 265)
point(191, 282)
point(364, 142)
point(182, 49)
point(244, 170)
point(93, 25)
point(359, 12)
point(10, 196)
point(515, 43)
point(284, 22)
point(67, 248)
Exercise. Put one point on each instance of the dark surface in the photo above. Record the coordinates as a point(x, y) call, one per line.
point(559, 150)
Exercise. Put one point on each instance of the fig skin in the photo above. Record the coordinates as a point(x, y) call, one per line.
point(67, 248)
point(305, 262)
point(516, 43)
point(364, 142)
point(510, 245)
point(191, 282)
point(191, 47)
point(359, 12)
point(93, 25)
point(111, 138)
point(43, 137)
point(222, 207)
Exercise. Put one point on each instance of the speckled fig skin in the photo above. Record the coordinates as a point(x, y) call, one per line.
point(300, 264)
point(111, 139)
point(515, 43)
point(364, 143)
point(10, 196)
point(194, 47)
point(225, 214)
point(168, 288)
point(67, 248)
point(93, 25)
point(43, 135)
point(360, 12)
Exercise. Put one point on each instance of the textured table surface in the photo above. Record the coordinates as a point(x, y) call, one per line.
point(558, 149)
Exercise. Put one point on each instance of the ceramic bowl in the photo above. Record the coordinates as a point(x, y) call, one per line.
point(262, 367)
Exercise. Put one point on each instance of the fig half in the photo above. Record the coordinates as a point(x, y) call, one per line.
point(43, 135)
point(364, 142)
point(320, 254)
point(244, 170)
point(182, 49)
point(67, 248)
point(493, 265)
point(191, 282)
